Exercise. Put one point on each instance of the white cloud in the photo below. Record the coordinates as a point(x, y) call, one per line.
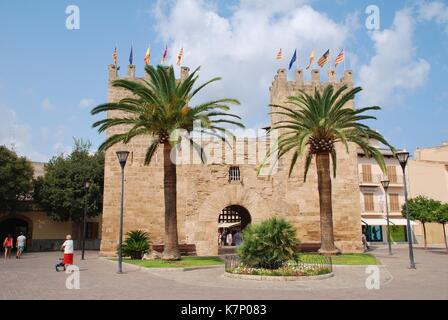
point(394, 69)
point(436, 10)
point(86, 103)
point(47, 105)
point(241, 47)
point(17, 135)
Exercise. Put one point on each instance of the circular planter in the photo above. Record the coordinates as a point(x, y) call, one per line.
point(277, 278)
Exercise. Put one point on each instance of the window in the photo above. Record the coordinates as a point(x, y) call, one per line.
point(392, 174)
point(92, 229)
point(373, 233)
point(234, 174)
point(394, 203)
point(368, 202)
point(366, 173)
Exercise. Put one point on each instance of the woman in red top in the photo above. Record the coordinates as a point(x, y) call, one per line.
point(7, 243)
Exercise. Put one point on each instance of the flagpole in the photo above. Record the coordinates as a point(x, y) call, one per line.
point(345, 57)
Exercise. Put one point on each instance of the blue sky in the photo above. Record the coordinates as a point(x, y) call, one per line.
point(51, 77)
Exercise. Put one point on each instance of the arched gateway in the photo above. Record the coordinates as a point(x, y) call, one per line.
point(232, 220)
point(14, 226)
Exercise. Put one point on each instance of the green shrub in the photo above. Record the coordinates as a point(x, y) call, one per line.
point(137, 243)
point(269, 244)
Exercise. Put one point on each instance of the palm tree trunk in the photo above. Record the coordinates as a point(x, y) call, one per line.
point(424, 233)
point(326, 211)
point(171, 249)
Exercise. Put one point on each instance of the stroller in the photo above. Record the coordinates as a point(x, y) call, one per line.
point(60, 265)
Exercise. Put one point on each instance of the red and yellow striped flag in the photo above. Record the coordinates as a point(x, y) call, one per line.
point(339, 58)
point(323, 60)
point(180, 56)
point(147, 56)
point(114, 56)
point(280, 55)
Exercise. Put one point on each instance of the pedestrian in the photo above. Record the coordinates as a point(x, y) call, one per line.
point(237, 238)
point(364, 242)
point(7, 244)
point(67, 246)
point(20, 244)
point(223, 237)
point(229, 238)
point(219, 237)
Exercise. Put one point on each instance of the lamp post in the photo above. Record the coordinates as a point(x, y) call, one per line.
point(385, 184)
point(403, 157)
point(122, 158)
point(86, 188)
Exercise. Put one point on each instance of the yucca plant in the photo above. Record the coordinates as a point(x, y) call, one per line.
point(269, 244)
point(136, 244)
point(312, 125)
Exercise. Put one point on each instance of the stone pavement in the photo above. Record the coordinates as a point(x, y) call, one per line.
point(34, 277)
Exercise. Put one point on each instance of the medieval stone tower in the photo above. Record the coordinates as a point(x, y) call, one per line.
point(229, 187)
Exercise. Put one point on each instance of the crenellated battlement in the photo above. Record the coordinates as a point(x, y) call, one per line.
point(113, 73)
point(281, 82)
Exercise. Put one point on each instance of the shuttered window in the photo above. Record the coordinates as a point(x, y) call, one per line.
point(394, 204)
point(392, 174)
point(368, 202)
point(366, 173)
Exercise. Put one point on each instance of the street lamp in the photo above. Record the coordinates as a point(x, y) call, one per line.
point(403, 157)
point(122, 158)
point(385, 184)
point(86, 187)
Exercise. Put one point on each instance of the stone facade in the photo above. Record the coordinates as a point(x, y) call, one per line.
point(204, 190)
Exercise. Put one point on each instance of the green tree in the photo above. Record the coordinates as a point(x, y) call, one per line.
point(312, 125)
point(422, 209)
point(158, 108)
point(16, 176)
point(441, 216)
point(61, 191)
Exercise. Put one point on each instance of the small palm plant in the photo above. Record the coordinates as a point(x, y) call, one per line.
point(312, 125)
point(269, 244)
point(158, 108)
point(137, 243)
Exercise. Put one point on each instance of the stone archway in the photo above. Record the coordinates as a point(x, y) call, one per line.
point(235, 214)
point(14, 225)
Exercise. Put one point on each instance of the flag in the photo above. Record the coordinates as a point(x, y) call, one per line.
point(339, 58)
point(179, 56)
point(311, 59)
point(165, 54)
point(131, 56)
point(293, 59)
point(323, 60)
point(280, 55)
point(147, 56)
point(114, 56)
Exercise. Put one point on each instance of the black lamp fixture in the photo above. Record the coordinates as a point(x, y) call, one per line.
point(122, 157)
point(402, 157)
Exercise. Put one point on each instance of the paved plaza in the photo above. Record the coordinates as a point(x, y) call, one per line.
point(34, 277)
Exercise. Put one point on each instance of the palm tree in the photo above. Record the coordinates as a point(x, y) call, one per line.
point(157, 108)
point(313, 125)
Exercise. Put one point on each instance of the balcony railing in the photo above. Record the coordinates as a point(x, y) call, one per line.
point(368, 178)
point(375, 179)
point(379, 207)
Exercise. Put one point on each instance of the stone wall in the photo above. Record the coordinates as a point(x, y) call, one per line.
point(204, 190)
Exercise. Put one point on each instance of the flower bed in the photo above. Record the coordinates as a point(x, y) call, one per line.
point(294, 269)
